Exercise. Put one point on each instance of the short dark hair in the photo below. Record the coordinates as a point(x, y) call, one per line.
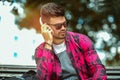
point(51, 10)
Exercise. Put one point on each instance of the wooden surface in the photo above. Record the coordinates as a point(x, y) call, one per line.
point(17, 70)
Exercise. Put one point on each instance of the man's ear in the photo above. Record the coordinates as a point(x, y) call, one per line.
point(40, 20)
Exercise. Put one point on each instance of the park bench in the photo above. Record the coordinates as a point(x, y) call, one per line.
point(6, 71)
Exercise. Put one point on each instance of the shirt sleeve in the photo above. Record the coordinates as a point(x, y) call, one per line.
point(96, 68)
point(42, 58)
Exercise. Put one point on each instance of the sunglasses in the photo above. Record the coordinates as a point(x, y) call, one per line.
point(59, 25)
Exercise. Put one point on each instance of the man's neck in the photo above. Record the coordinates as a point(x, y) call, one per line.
point(58, 41)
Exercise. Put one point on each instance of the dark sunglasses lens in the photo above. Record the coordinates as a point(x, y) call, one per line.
point(59, 26)
point(65, 24)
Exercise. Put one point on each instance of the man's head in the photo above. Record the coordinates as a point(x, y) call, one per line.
point(54, 16)
point(51, 10)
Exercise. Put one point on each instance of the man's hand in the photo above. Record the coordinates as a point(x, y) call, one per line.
point(46, 32)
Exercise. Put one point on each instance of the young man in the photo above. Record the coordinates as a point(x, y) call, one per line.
point(65, 55)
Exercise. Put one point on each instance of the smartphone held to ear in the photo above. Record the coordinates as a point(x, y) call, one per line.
point(46, 33)
point(45, 27)
point(41, 23)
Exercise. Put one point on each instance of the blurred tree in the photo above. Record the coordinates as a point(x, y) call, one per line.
point(85, 16)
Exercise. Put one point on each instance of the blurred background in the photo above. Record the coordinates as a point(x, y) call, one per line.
point(20, 28)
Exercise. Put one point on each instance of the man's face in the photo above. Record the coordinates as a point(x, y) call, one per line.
point(58, 25)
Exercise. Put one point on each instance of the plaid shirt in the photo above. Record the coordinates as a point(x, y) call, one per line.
point(82, 54)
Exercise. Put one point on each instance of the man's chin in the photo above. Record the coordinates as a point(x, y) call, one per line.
point(61, 37)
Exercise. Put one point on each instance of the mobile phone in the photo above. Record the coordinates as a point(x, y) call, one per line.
point(41, 23)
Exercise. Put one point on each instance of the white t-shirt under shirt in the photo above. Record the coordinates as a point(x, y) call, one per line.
point(68, 71)
point(59, 48)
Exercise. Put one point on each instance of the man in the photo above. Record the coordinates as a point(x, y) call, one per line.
point(65, 55)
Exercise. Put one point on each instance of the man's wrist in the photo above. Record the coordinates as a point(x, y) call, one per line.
point(48, 46)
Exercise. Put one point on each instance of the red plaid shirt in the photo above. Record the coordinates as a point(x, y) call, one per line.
point(82, 54)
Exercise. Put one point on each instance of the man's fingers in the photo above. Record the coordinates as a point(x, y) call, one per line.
point(43, 28)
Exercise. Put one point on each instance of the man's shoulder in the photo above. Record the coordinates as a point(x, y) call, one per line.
point(41, 45)
point(70, 33)
point(81, 39)
point(78, 36)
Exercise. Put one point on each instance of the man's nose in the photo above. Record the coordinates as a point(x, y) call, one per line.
point(63, 27)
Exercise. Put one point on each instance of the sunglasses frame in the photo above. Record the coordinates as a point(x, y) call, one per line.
point(59, 25)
